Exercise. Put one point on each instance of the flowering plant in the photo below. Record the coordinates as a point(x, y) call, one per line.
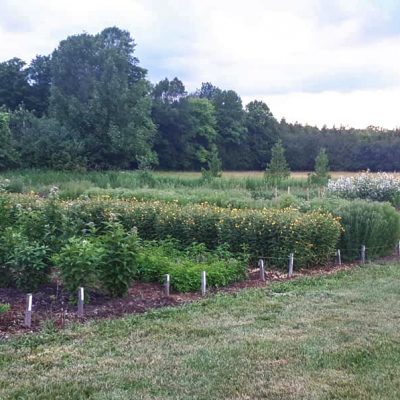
point(380, 187)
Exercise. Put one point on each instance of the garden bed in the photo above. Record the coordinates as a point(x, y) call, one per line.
point(50, 302)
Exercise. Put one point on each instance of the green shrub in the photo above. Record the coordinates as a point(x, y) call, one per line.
point(185, 269)
point(184, 266)
point(78, 262)
point(375, 225)
point(23, 262)
point(5, 212)
point(118, 266)
point(288, 200)
point(266, 232)
point(105, 262)
point(186, 277)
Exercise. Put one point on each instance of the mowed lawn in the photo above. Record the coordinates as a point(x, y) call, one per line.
point(333, 337)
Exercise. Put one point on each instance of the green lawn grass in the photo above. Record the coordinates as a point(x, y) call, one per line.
point(332, 337)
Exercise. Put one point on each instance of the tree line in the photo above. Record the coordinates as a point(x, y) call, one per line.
point(89, 105)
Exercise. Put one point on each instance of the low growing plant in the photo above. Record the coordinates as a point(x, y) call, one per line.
point(4, 308)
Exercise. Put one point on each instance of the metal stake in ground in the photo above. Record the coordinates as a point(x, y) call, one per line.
point(288, 190)
point(308, 194)
point(362, 254)
point(28, 311)
point(262, 269)
point(276, 192)
point(81, 300)
point(338, 257)
point(166, 285)
point(291, 260)
point(203, 283)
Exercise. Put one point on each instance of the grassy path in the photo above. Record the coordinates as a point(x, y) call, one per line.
point(334, 337)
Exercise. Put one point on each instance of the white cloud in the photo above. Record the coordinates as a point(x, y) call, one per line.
point(312, 60)
point(357, 109)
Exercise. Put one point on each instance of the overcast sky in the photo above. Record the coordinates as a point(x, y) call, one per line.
point(334, 62)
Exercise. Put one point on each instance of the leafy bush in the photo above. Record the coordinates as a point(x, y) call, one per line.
point(186, 277)
point(277, 233)
point(103, 262)
point(375, 225)
point(118, 266)
point(78, 262)
point(23, 263)
point(185, 267)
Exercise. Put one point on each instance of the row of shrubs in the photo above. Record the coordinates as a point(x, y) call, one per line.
point(110, 261)
point(275, 233)
point(38, 234)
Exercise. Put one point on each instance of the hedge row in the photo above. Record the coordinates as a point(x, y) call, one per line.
point(269, 232)
point(373, 224)
point(311, 233)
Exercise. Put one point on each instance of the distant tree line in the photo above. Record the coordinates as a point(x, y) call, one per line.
point(89, 105)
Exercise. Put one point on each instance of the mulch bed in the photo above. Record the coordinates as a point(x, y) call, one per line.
point(50, 302)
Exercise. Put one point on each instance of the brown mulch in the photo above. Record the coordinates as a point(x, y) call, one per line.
point(50, 302)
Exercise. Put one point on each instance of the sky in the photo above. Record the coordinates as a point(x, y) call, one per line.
point(332, 62)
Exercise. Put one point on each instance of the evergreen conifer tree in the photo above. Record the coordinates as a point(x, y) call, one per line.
point(278, 168)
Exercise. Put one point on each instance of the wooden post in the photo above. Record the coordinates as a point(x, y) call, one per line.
point(262, 269)
point(363, 254)
point(276, 192)
point(28, 311)
point(398, 248)
point(291, 260)
point(166, 285)
point(203, 283)
point(308, 194)
point(288, 190)
point(81, 300)
point(338, 257)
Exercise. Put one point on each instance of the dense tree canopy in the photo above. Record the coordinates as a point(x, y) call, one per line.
point(88, 105)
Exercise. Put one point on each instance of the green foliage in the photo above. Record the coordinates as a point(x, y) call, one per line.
point(278, 168)
point(268, 232)
point(214, 165)
point(23, 263)
point(45, 143)
point(105, 262)
point(100, 93)
point(14, 86)
point(375, 225)
point(262, 133)
point(185, 267)
point(7, 153)
point(185, 277)
point(78, 262)
point(4, 308)
point(230, 127)
point(321, 175)
point(118, 266)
